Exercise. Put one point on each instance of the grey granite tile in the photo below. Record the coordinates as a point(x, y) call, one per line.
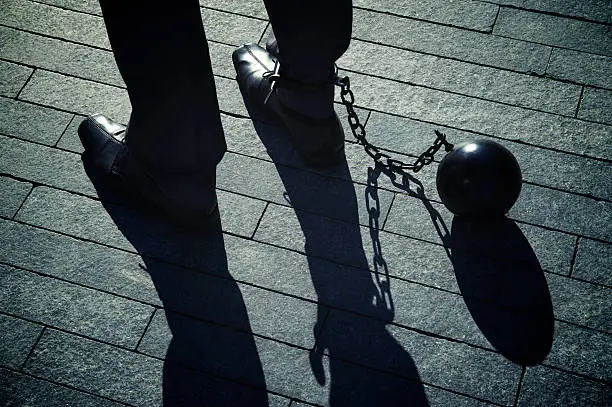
point(13, 77)
point(410, 217)
point(484, 117)
point(466, 14)
point(239, 214)
point(31, 122)
point(553, 30)
point(538, 165)
point(89, 219)
point(73, 308)
point(593, 262)
point(246, 7)
point(83, 61)
point(12, 195)
point(224, 302)
point(231, 28)
point(231, 100)
point(81, 262)
point(310, 191)
point(18, 389)
point(589, 69)
point(461, 77)
point(129, 377)
point(276, 319)
point(44, 165)
point(97, 368)
point(593, 10)
point(580, 303)
point(17, 339)
point(85, 6)
point(467, 370)
point(440, 398)
point(59, 56)
point(70, 139)
point(55, 22)
point(596, 105)
point(450, 42)
point(543, 386)
point(563, 211)
point(77, 95)
point(580, 350)
point(287, 371)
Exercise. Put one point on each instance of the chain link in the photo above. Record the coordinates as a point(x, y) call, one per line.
point(382, 158)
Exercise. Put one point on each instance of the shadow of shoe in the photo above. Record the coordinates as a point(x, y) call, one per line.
point(354, 354)
point(202, 333)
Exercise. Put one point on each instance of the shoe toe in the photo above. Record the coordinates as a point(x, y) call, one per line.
point(102, 140)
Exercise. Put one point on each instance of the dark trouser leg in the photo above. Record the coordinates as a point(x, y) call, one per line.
point(311, 35)
point(175, 129)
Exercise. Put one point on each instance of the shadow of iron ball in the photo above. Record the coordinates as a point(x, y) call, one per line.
point(504, 287)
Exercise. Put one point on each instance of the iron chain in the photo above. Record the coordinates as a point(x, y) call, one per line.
point(380, 157)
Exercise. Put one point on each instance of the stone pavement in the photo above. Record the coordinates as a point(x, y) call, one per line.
point(308, 297)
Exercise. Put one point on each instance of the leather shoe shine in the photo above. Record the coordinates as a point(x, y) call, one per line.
point(107, 153)
point(319, 139)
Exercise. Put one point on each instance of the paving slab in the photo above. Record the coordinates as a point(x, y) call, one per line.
point(55, 22)
point(450, 42)
point(484, 117)
point(12, 195)
point(17, 389)
point(437, 362)
point(466, 14)
point(593, 262)
point(83, 263)
point(44, 165)
point(77, 95)
point(562, 389)
point(580, 67)
point(461, 77)
point(596, 105)
point(73, 308)
point(554, 30)
point(592, 10)
point(582, 351)
point(13, 78)
point(246, 7)
point(18, 339)
point(580, 303)
point(540, 166)
point(31, 122)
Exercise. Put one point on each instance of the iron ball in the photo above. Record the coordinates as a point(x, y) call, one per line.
point(479, 178)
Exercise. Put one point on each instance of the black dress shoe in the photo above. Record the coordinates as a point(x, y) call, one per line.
point(318, 139)
point(106, 152)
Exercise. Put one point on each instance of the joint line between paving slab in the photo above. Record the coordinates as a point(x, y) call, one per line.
point(574, 256)
point(40, 334)
point(252, 237)
point(520, 385)
point(452, 92)
point(25, 83)
point(581, 375)
point(420, 20)
point(146, 328)
point(580, 98)
point(54, 37)
point(495, 19)
point(550, 13)
point(64, 132)
point(72, 10)
point(23, 201)
point(64, 385)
